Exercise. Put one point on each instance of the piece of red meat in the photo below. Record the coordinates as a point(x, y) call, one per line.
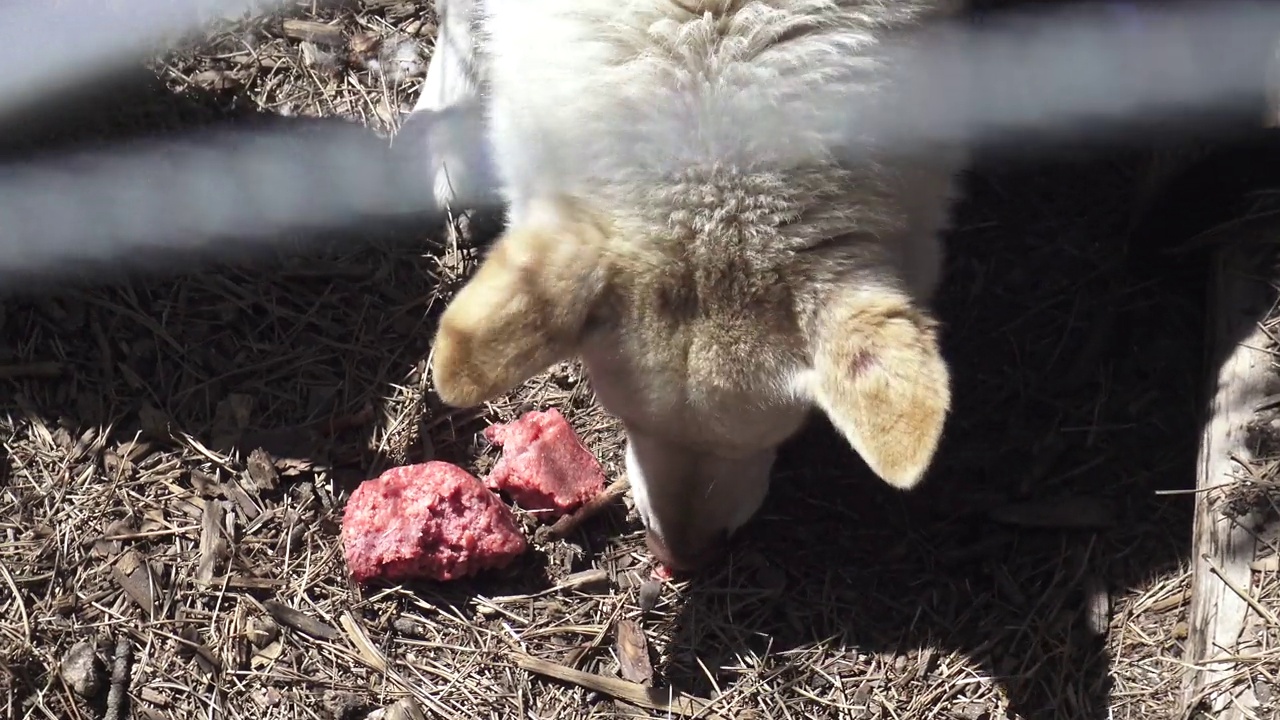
point(433, 520)
point(544, 466)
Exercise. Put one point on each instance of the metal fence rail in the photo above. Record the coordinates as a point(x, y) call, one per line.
point(1074, 70)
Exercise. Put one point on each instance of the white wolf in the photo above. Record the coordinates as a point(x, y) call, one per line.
point(719, 279)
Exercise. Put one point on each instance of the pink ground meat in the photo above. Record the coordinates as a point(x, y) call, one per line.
point(429, 521)
point(544, 466)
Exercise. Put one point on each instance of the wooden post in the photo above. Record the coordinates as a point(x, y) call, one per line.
point(1240, 298)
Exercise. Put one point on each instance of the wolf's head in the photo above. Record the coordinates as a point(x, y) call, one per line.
point(709, 330)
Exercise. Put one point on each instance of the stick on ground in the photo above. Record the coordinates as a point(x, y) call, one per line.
point(567, 524)
point(118, 694)
point(662, 700)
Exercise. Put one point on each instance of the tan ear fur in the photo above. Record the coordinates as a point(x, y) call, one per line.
point(524, 310)
point(881, 380)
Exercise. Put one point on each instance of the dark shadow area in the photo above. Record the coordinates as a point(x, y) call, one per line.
point(325, 320)
point(1076, 337)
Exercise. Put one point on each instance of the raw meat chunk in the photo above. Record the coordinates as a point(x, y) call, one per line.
point(544, 466)
point(432, 520)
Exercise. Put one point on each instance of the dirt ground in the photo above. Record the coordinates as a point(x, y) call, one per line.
point(178, 447)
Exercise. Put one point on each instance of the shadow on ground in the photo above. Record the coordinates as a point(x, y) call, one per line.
point(289, 347)
point(1077, 358)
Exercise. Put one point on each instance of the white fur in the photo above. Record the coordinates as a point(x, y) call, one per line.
point(585, 93)
point(608, 102)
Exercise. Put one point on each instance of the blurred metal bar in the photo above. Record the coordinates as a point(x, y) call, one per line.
point(50, 46)
point(1075, 72)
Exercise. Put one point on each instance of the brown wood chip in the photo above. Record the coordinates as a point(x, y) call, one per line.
point(235, 493)
point(205, 484)
point(633, 652)
point(594, 578)
point(155, 697)
point(263, 658)
point(133, 575)
point(262, 471)
point(210, 532)
point(316, 32)
point(299, 620)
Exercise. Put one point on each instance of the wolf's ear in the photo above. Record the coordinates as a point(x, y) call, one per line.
point(526, 307)
point(880, 378)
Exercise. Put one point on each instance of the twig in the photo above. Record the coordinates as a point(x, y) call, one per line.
point(668, 700)
point(42, 370)
point(567, 524)
point(371, 655)
point(1169, 603)
point(22, 606)
point(313, 31)
point(299, 620)
point(119, 680)
point(1245, 596)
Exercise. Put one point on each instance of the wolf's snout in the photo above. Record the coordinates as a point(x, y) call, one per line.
point(686, 559)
